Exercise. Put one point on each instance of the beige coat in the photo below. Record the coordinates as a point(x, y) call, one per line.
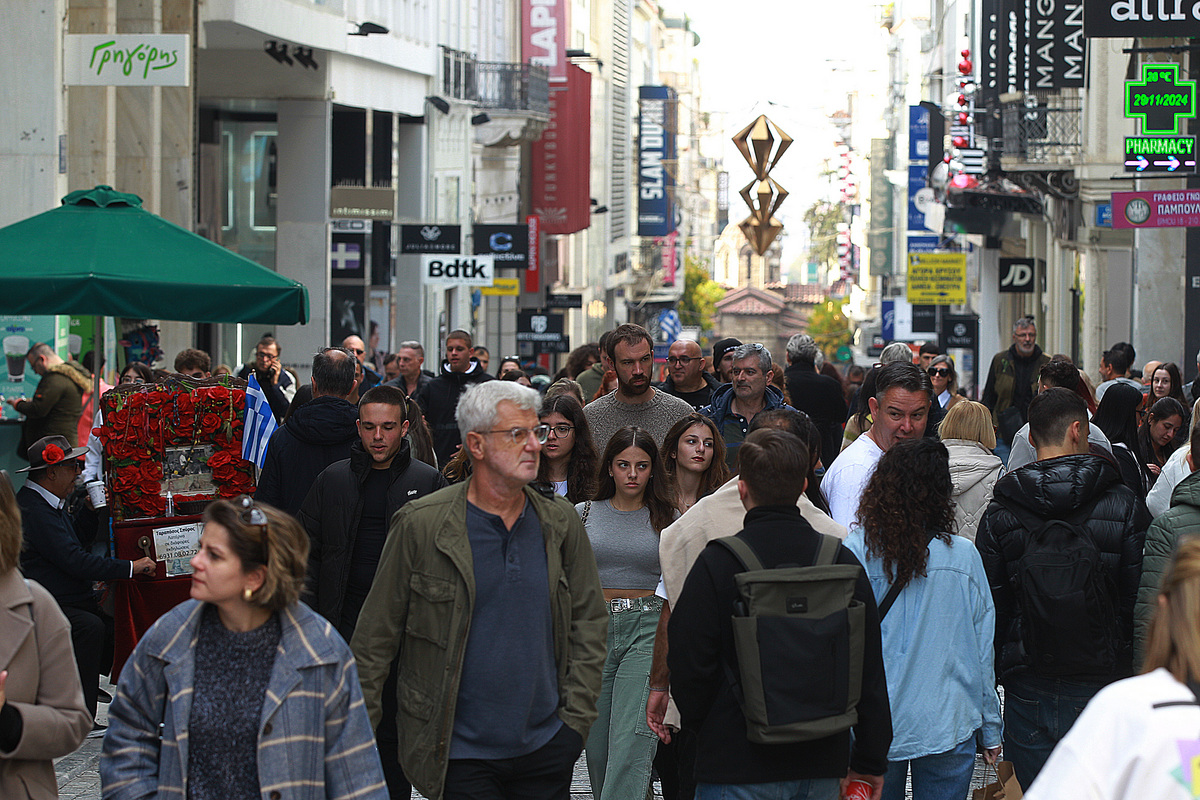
point(719, 514)
point(974, 471)
point(43, 685)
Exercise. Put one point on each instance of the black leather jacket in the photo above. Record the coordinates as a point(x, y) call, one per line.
point(1056, 489)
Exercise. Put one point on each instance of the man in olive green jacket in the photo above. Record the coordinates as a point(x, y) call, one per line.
point(489, 593)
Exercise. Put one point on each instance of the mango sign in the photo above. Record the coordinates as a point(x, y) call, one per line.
point(937, 279)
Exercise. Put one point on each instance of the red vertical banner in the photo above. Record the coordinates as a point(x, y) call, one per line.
point(544, 34)
point(533, 265)
point(561, 168)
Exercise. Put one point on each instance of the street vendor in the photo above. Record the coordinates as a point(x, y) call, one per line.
point(56, 556)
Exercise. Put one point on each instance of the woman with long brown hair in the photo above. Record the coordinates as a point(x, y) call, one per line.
point(694, 460)
point(1137, 737)
point(937, 620)
point(632, 506)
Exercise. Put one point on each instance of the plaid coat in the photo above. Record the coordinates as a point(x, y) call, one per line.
point(315, 740)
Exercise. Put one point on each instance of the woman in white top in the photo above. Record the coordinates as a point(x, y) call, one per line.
point(568, 457)
point(694, 459)
point(631, 508)
point(1140, 737)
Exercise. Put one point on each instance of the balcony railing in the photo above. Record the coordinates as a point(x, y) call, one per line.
point(496, 85)
point(1041, 129)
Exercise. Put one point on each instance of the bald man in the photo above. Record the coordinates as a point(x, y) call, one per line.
point(370, 378)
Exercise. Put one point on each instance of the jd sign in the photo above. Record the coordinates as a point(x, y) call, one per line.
point(1160, 98)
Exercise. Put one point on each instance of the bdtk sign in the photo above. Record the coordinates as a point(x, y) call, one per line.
point(450, 271)
point(1141, 18)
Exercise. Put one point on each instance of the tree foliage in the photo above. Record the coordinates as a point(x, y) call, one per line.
point(829, 327)
point(822, 219)
point(701, 294)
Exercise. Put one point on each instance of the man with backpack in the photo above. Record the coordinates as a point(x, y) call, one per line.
point(1061, 543)
point(773, 713)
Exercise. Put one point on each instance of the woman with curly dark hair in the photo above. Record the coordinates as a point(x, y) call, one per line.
point(568, 457)
point(938, 638)
point(694, 459)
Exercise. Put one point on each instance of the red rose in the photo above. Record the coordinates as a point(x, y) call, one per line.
point(136, 400)
point(239, 397)
point(184, 403)
point(124, 479)
point(224, 473)
point(150, 470)
point(148, 486)
point(52, 454)
point(220, 458)
point(209, 423)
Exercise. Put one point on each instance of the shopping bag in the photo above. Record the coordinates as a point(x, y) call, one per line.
point(1005, 787)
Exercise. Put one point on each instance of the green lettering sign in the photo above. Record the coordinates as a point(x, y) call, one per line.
point(1160, 98)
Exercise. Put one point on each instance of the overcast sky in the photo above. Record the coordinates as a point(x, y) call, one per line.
point(794, 62)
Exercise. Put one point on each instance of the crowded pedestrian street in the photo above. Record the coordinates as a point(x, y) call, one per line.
point(605, 399)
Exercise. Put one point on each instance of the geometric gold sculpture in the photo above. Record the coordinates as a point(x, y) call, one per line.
point(762, 143)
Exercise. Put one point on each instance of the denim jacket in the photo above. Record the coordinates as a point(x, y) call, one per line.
point(938, 650)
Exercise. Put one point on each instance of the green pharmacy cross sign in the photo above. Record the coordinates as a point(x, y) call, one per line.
point(1160, 98)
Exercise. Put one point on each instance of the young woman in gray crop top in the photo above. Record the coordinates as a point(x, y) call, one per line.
point(632, 506)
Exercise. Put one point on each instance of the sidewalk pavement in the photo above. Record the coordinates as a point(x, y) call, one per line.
point(79, 775)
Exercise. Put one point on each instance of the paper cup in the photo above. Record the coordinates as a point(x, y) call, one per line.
point(95, 490)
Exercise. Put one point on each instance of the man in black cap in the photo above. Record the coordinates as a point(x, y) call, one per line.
point(56, 555)
point(722, 358)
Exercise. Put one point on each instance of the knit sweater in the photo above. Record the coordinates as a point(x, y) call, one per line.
point(232, 669)
point(608, 415)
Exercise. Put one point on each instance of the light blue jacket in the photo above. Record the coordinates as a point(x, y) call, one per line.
point(315, 740)
point(938, 650)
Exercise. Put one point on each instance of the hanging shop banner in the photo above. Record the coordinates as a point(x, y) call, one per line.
point(430, 238)
point(1179, 208)
point(656, 150)
point(452, 271)
point(1118, 19)
point(508, 245)
point(1056, 44)
point(993, 28)
point(544, 36)
point(1017, 274)
point(561, 170)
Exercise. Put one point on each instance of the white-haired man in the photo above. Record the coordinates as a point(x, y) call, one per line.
point(489, 592)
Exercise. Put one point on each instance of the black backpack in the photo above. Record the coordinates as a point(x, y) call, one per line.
point(799, 635)
point(1065, 593)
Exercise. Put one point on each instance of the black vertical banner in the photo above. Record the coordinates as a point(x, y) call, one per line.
point(1056, 44)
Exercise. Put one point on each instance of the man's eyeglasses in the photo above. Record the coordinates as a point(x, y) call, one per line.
point(262, 354)
point(935, 371)
point(520, 435)
point(681, 361)
point(560, 431)
point(251, 515)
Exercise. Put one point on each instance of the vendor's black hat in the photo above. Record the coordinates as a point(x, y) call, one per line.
point(723, 346)
point(51, 450)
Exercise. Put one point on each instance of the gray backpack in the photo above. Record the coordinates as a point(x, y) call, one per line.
point(799, 636)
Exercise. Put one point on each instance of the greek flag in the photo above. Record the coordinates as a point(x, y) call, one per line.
point(259, 425)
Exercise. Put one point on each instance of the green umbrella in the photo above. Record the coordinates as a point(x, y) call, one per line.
point(101, 253)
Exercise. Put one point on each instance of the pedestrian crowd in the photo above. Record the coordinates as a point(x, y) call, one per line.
point(755, 580)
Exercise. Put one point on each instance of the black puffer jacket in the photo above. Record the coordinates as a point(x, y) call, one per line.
point(331, 514)
point(438, 400)
point(319, 433)
point(1056, 489)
